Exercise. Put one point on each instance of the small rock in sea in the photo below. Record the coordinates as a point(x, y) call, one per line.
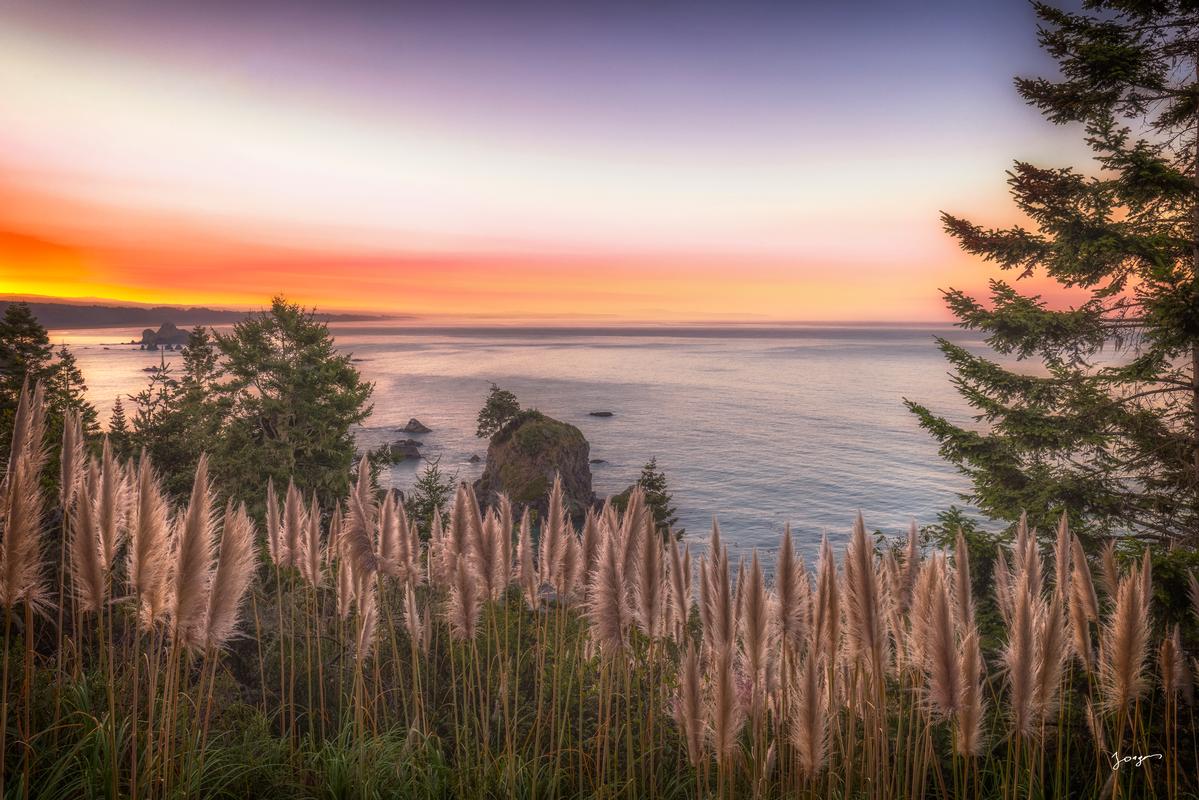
point(598, 461)
point(601, 414)
point(415, 426)
point(474, 459)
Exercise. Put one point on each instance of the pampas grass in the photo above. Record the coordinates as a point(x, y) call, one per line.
point(149, 545)
point(1124, 647)
point(882, 675)
point(231, 577)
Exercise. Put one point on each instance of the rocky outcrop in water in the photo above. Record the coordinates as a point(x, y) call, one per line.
point(524, 457)
point(166, 336)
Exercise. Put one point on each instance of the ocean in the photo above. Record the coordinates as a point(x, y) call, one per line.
point(756, 426)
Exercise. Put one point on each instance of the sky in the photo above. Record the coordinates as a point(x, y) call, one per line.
point(621, 160)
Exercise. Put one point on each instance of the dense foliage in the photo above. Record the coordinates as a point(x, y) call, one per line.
point(272, 399)
point(27, 356)
point(1107, 429)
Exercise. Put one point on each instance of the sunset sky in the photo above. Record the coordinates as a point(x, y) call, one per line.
point(627, 160)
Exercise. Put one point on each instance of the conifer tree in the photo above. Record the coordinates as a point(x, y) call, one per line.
point(26, 354)
point(118, 430)
point(1107, 429)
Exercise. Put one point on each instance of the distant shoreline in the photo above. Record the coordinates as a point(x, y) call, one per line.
point(59, 316)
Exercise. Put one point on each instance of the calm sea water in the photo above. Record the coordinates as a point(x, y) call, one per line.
point(760, 427)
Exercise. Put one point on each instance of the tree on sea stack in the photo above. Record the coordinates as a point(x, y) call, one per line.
point(1108, 430)
point(498, 410)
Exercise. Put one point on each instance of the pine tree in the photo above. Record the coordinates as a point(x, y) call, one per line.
point(1108, 429)
point(431, 492)
point(118, 430)
point(26, 354)
point(658, 498)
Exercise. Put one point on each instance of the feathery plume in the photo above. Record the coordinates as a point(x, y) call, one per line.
point(273, 526)
point(231, 578)
point(968, 722)
point(1051, 647)
point(648, 583)
point(526, 575)
point(552, 542)
point(632, 525)
point(414, 624)
point(828, 603)
point(1081, 578)
point(963, 590)
point(809, 726)
point(505, 519)
point(1170, 664)
point(465, 601)
point(572, 565)
point(70, 463)
point(688, 707)
point(21, 515)
point(1005, 596)
point(727, 711)
point(293, 527)
point(110, 507)
point(680, 590)
point(311, 567)
point(718, 606)
point(1020, 658)
point(87, 571)
point(357, 531)
point(787, 593)
point(487, 560)
point(863, 603)
point(755, 623)
point(193, 558)
point(387, 538)
point(1062, 552)
point(459, 534)
point(607, 606)
point(940, 653)
point(149, 544)
point(1124, 646)
point(1109, 572)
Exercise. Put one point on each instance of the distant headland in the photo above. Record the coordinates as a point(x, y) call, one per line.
point(65, 314)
